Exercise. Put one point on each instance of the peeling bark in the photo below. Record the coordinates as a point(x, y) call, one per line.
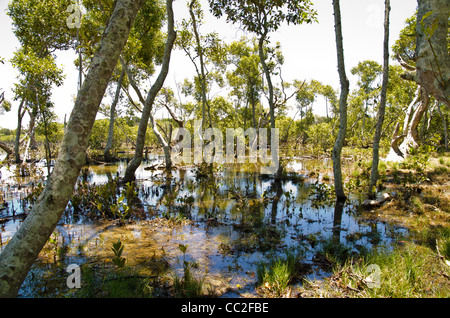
point(433, 59)
point(412, 138)
point(21, 251)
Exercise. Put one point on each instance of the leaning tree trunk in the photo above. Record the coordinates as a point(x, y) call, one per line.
point(112, 114)
point(381, 109)
point(6, 148)
point(337, 170)
point(148, 105)
point(21, 251)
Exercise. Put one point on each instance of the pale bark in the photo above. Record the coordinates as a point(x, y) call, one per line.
point(148, 105)
point(395, 154)
point(21, 251)
point(431, 72)
point(382, 107)
point(412, 138)
point(112, 115)
point(432, 56)
point(336, 155)
point(410, 109)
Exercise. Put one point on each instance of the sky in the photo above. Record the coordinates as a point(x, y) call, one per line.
point(309, 49)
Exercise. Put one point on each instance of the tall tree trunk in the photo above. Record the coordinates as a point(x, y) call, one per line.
point(165, 144)
point(112, 114)
point(148, 105)
point(202, 74)
point(31, 135)
point(336, 155)
point(21, 251)
point(382, 107)
point(20, 115)
point(253, 104)
point(48, 153)
point(266, 70)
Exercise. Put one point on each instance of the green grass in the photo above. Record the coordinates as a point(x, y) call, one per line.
point(187, 286)
point(409, 271)
point(276, 274)
point(119, 283)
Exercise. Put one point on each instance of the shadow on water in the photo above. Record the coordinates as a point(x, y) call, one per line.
point(230, 219)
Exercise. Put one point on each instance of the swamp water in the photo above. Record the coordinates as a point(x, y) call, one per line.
point(229, 223)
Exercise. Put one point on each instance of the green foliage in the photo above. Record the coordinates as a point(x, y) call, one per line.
point(276, 274)
point(104, 200)
point(37, 76)
point(187, 286)
point(117, 249)
point(34, 193)
point(320, 137)
point(145, 43)
point(122, 131)
point(40, 25)
point(264, 16)
point(404, 47)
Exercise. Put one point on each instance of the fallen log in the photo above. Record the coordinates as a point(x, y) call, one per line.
point(368, 203)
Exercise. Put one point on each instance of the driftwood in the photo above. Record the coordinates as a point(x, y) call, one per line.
point(377, 202)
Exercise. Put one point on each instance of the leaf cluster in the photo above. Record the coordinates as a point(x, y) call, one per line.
point(264, 16)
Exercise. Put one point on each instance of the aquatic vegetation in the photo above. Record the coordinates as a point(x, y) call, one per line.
point(117, 249)
point(228, 220)
point(276, 274)
point(187, 286)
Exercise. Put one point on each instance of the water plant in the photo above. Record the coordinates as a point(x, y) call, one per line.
point(276, 274)
point(187, 286)
point(117, 249)
point(121, 209)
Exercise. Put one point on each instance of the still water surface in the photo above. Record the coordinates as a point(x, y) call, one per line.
point(237, 219)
